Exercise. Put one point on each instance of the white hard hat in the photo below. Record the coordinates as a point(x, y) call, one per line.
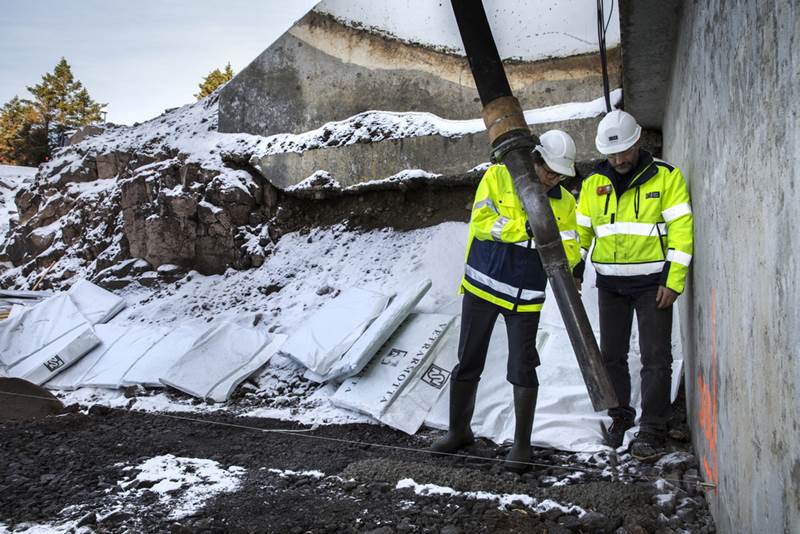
point(617, 132)
point(558, 151)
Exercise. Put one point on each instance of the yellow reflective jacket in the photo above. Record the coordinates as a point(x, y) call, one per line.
point(502, 264)
point(643, 236)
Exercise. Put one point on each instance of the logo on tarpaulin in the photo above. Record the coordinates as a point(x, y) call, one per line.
point(394, 357)
point(54, 363)
point(435, 376)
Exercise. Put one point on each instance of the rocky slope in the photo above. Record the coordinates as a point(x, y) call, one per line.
point(179, 195)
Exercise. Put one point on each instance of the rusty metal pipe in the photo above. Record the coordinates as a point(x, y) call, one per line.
point(512, 143)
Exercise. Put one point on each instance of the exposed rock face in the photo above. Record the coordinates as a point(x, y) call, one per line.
point(122, 194)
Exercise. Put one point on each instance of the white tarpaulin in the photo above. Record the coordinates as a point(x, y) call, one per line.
point(155, 363)
point(411, 406)
point(38, 326)
point(112, 365)
point(70, 379)
point(55, 357)
point(222, 358)
point(381, 329)
point(43, 340)
point(564, 416)
point(321, 341)
point(410, 349)
point(94, 302)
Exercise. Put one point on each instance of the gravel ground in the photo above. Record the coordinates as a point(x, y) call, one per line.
point(83, 472)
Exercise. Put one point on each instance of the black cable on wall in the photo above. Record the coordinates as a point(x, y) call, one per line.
point(602, 27)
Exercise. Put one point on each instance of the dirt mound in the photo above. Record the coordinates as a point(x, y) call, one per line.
point(21, 400)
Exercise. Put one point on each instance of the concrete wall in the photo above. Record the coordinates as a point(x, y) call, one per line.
point(362, 162)
point(731, 124)
point(323, 70)
point(649, 29)
point(527, 30)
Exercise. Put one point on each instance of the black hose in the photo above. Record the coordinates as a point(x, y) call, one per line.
point(484, 60)
point(602, 26)
point(512, 142)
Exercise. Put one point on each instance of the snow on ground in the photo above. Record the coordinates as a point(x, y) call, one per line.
point(289, 473)
point(184, 484)
point(11, 179)
point(304, 272)
point(67, 527)
point(502, 500)
point(180, 485)
point(307, 270)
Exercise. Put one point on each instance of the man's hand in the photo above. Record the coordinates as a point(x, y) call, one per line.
point(578, 283)
point(665, 297)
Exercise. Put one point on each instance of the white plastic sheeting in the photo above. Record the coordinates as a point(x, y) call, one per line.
point(55, 357)
point(397, 364)
point(222, 358)
point(411, 406)
point(381, 329)
point(322, 340)
point(564, 416)
point(71, 378)
point(94, 302)
point(155, 363)
point(43, 340)
point(37, 327)
point(114, 363)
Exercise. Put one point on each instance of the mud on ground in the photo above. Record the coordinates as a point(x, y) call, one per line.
point(76, 468)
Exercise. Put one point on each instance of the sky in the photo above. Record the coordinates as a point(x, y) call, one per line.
point(139, 57)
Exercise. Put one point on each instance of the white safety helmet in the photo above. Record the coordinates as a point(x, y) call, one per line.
point(617, 132)
point(558, 151)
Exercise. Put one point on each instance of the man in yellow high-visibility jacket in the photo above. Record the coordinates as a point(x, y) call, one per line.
point(637, 211)
point(504, 275)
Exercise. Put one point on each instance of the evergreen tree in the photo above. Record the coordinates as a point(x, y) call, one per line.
point(31, 129)
point(214, 79)
point(22, 140)
point(63, 103)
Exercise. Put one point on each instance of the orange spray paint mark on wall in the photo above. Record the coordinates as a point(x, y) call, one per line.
point(708, 406)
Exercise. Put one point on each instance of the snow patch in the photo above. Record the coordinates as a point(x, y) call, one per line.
point(183, 483)
point(12, 178)
point(284, 473)
point(69, 527)
point(503, 500)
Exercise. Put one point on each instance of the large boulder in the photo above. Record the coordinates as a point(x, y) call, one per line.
point(21, 400)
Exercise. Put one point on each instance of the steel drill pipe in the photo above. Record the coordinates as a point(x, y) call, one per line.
point(512, 142)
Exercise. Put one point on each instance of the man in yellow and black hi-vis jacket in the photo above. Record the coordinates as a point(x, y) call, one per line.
point(637, 211)
point(504, 275)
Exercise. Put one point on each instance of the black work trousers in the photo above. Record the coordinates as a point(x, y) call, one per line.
point(655, 345)
point(478, 317)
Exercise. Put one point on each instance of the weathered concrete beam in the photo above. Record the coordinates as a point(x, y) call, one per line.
point(363, 162)
point(322, 70)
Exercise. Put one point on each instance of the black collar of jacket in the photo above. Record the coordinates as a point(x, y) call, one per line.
point(644, 171)
point(555, 192)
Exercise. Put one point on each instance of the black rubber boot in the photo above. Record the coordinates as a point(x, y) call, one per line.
point(524, 409)
point(462, 404)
